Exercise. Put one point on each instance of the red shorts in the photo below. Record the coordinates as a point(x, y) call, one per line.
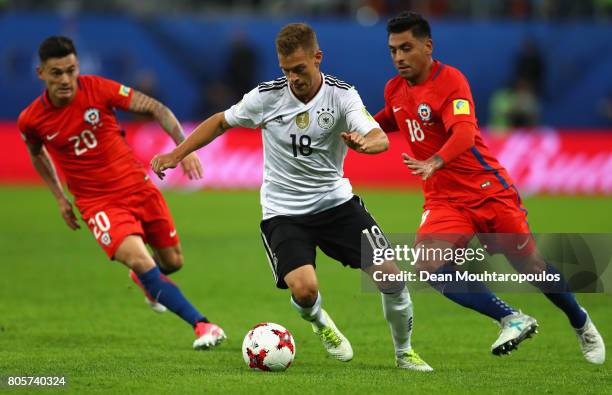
point(499, 221)
point(143, 212)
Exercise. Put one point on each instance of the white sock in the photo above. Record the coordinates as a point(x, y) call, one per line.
point(313, 314)
point(397, 308)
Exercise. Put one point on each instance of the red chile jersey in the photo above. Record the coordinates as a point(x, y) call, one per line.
point(85, 140)
point(424, 114)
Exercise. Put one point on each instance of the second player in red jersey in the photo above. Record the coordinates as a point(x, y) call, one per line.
point(466, 190)
point(437, 117)
point(427, 114)
point(85, 140)
point(73, 122)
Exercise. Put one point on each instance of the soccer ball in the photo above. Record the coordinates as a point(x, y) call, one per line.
point(268, 347)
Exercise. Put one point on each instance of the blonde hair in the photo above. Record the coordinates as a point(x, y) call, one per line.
point(294, 36)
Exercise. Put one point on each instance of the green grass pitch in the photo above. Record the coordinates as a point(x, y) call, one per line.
point(65, 310)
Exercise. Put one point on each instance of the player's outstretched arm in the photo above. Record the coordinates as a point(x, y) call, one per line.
point(374, 142)
point(205, 133)
point(146, 105)
point(462, 138)
point(44, 166)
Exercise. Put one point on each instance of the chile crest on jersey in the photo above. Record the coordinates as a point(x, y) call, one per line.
point(92, 116)
point(424, 112)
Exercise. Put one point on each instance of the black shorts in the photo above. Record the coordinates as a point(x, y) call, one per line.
point(290, 241)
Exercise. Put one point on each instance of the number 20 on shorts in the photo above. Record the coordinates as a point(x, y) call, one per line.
point(99, 224)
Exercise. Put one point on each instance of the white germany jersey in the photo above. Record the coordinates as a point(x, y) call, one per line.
point(303, 150)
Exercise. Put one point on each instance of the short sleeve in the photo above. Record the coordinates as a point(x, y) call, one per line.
point(385, 117)
point(248, 112)
point(358, 119)
point(28, 134)
point(113, 93)
point(459, 104)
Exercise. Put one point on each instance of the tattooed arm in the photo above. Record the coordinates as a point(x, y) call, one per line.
point(143, 104)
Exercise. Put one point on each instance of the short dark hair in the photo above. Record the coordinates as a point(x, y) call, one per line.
point(418, 26)
point(294, 36)
point(55, 47)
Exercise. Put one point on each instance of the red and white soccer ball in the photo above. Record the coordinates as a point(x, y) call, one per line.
point(268, 347)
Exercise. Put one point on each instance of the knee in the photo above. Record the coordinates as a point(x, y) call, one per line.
point(531, 264)
point(140, 263)
point(428, 266)
point(304, 291)
point(172, 261)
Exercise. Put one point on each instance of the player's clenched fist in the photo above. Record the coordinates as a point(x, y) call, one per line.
point(354, 141)
point(161, 162)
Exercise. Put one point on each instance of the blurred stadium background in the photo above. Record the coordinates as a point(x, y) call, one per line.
point(541, 68)
point(541, 76)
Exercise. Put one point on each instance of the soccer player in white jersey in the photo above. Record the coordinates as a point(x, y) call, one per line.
point(308, 119)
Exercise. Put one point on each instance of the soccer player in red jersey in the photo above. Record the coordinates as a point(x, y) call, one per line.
point(466, 190)
point(74, 123)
